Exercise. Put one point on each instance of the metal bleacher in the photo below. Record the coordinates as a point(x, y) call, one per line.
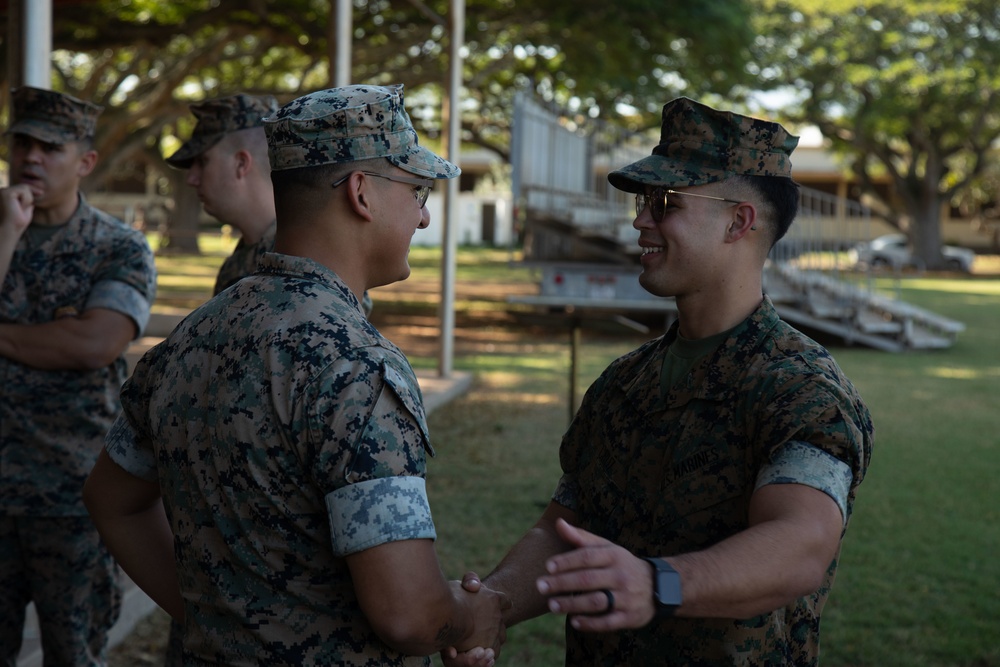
point(812, 281)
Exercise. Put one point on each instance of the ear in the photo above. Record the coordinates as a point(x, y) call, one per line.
point(359, 193)
point(88, 160)
point(243, 161)
point(744, 222)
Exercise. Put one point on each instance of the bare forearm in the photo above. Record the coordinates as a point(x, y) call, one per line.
point(413, 608)
point(142, 543)
point(129, 515)
point(784, 554)
point(753, 572)
point(70, 343)
point(517, 573)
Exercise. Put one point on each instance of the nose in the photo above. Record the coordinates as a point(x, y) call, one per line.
point(425, 218)
point(193, 176)
point(644, 220)
point(33, 153)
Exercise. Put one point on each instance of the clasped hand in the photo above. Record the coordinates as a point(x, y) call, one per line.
point(489, 631)
point(581, 583)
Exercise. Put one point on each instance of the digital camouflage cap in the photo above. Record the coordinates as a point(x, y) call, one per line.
point(52, 117)
point(219, 117)
point(699, 145)
point(348, 124)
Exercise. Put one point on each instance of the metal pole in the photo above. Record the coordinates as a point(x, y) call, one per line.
point(452, 114)
point(343, 29)
point(38, 43)
point(574, 363)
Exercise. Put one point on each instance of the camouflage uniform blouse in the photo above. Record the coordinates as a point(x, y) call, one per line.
point(663, 475)
point(53, 423)
point(244, 259)
point(286, 433)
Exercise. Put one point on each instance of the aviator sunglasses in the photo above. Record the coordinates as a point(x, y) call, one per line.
point(420, 193)
point(656, 200)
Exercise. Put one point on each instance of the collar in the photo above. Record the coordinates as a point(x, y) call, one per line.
point(709, 380)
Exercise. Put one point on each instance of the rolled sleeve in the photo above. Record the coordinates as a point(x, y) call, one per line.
point(802, 463)
point(124, 448)
point(122, 298)
point(378, 511)
point(567, 492)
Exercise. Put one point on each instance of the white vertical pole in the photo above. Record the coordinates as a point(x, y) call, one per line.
point(344, 31)
point(456, 25)
point(38, 43)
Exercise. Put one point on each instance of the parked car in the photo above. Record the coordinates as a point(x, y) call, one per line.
point(893, 250)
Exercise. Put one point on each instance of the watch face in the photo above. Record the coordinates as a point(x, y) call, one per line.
point(668, 587)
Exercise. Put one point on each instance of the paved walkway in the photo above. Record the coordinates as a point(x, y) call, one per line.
point(136, 605)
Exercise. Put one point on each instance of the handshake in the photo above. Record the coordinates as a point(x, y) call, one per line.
point(489, 625)
point(599, 585)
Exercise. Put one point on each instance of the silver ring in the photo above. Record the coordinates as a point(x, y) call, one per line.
point(611, 601)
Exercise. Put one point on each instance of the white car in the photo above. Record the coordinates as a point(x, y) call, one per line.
point(893, 250)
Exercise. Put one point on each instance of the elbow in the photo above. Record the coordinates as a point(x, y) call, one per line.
point(407, 633)
point(96, 358)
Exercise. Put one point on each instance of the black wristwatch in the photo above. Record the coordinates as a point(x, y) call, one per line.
point(666, 588)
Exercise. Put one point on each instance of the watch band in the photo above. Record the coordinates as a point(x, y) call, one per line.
point(666, 588)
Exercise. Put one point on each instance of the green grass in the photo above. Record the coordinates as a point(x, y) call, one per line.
point(919, 578)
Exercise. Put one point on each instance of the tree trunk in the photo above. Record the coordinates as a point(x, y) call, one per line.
point(181, 233)
point(925, 234)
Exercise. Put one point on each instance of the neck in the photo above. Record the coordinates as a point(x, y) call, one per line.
point(256, 212)
point(706, 314)
point(253, 229)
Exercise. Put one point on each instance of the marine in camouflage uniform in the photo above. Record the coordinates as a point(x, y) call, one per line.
point(232, 176)
point(698, 448)
point(72, 283)
point(226, 160)
point(286, 437)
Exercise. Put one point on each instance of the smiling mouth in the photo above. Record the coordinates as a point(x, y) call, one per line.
point(651, 250)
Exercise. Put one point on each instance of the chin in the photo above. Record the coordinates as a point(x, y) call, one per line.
point(654, 288)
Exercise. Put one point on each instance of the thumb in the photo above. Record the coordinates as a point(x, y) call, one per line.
point(578, 537)
point(471, 582)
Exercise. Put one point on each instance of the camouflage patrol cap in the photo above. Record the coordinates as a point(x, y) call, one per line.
point(52, 117)
point(219, 117)
point(348, 124)
point(699, 145)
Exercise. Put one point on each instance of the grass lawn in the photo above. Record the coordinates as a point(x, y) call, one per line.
point(919, 578)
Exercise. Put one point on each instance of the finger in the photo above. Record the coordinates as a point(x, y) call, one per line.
point(471, 582)
point(596, 602)
point(602, 623)
point(578, 537)
point(593, 552)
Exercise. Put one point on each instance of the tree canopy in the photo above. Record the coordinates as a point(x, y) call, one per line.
point(145, 60)
point(908, 89)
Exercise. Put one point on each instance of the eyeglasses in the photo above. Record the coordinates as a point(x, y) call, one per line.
point(420, 193)
point(656, 200)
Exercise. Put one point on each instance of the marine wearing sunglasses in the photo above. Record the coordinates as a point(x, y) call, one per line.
point(656, 200)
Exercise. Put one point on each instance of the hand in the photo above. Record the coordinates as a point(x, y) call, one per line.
point(477, 656)
point(488, 606)
point(578, 579)
point(17, 206)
